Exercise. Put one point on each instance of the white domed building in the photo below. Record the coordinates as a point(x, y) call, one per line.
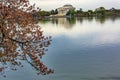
point(62, 11)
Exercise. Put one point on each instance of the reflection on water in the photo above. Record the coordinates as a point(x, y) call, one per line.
point(65, 22)
point(70, 22)
point(82, 49)
point(98, 30)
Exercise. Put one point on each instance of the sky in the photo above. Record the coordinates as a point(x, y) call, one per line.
point(84, 4)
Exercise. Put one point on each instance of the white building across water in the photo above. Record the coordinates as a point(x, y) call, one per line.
point(62, 11)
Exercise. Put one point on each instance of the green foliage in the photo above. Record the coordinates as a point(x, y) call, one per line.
point(79, 11)
point(71, 13)
point(44, 13)
point(56, 11)
point(100, 11)
point(90, 12)
point(53, 12)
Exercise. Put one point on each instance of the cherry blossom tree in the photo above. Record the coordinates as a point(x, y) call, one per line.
point(20, 37)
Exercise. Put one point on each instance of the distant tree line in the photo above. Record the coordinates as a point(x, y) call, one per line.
point(101, 11)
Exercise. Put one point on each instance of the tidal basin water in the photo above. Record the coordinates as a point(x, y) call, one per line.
point(81, 49)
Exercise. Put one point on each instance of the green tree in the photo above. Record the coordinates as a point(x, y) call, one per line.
point(44, 13)
point(79, 11)
point(56, 11)
point(71, 12)
point(52, 12)
point(100, 11)
point(90, 12)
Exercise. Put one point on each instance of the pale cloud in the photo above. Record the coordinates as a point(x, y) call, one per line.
point(85, 4)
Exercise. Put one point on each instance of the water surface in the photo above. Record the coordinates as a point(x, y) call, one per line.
point(82, 49)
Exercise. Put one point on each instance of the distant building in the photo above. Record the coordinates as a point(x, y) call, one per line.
point(62, 11)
